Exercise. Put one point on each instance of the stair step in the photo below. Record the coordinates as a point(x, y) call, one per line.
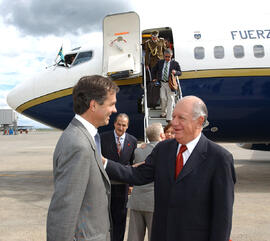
point(155, 110)
point(157, 120)
point(154, 113)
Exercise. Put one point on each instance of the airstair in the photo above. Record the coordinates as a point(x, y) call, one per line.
point(153, 115)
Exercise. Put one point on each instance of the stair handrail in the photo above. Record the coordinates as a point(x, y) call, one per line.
point(180, 95)
point(146, 111)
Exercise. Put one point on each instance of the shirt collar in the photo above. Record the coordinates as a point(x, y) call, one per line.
point(89, 127)
point(191, 145)
point(120, 137)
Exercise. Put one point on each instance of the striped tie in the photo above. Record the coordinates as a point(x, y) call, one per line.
point(119, 147)
point(165, 72)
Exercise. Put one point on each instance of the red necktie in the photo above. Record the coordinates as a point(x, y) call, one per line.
point(179, 160)
point(118, 145)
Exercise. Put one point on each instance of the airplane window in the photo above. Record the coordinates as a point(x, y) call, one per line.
point(238, 51)
point(199, 52)
point(219, 52)
point(83, 57)
point(258, 51)
point(69, 58)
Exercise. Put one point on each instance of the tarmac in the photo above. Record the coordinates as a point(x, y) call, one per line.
point(26, 186)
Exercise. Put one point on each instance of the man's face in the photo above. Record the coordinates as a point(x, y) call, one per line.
point(167, 57)
point(104, 111)
point(121, 125)
point(154, 38)
point(185, 127)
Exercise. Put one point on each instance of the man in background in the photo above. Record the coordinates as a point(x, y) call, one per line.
point(162, 72)
point(119, 146)
point(154, 48)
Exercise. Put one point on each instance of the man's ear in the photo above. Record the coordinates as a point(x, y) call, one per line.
point(92, 105)
point(162, 136)
point(200, 121)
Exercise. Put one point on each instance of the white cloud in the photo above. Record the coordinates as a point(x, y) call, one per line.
point(23, 56)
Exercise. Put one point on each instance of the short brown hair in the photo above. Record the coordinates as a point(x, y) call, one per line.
point(121, 115)
point(89, 88)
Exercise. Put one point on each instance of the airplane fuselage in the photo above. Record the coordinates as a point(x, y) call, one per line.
point(229, 70)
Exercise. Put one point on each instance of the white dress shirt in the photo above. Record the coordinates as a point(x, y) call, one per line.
point(190, 147)
point(121, 139)
point(89, 127)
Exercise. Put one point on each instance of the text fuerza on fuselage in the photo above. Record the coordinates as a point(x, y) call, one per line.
point(250, 34)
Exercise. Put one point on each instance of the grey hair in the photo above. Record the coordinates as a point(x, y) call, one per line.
point(200, 109)
point(168, 51)
point(153, 131)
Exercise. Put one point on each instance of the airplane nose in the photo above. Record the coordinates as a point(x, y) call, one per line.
point(13, 97)
point(21, 94)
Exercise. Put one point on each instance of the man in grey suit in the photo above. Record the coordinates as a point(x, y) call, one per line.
point(80, 205)
point(141, 200)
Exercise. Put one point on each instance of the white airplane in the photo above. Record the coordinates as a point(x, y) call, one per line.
point(228, 67)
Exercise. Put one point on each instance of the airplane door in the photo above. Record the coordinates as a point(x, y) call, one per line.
point(122, 44)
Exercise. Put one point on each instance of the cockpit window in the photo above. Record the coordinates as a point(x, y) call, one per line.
point(69, 58)
point(83, 57)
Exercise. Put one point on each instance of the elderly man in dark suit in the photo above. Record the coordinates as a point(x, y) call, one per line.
point(80, 205)
point(119, 146)
point(162, 72)
point(193, 177)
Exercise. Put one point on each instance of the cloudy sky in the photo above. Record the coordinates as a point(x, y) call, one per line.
point(32, 31)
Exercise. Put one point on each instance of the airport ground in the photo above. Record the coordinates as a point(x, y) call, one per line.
point(26, 187)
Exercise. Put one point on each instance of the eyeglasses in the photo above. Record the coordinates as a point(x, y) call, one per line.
point(167, 56)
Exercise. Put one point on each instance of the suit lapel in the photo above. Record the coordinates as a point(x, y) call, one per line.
point(93, 145)
point(196, 158)
point(114, 144)
point(171, 67)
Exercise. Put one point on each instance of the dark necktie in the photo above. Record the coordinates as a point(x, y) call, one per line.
point(179, 160)
point(97, 140)
point(119, 147)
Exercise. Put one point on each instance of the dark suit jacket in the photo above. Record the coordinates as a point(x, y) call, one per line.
point(157, 70)
point(109, 148)
point(198, 205)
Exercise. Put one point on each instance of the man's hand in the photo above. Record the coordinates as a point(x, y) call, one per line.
point(143, 145)
point(138, 164)
point(103, 160)
point(130, 190)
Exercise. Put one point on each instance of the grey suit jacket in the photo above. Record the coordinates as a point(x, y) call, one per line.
point(80, 205)
point(142, 197)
